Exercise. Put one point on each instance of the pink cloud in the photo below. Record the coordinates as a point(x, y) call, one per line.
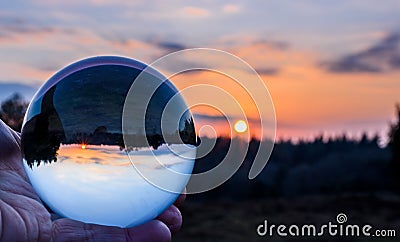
point(195, 12)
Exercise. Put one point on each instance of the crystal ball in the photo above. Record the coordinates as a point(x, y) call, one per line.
point(79, 158)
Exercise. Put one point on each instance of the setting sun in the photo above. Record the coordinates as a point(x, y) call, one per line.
point(240, 126)
point(83, 146)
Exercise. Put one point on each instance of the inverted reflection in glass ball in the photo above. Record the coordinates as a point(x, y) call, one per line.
point(74, 150)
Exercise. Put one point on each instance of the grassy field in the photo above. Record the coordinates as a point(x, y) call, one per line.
point(237, 221)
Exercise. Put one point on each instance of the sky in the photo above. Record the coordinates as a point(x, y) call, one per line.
point(330, 66)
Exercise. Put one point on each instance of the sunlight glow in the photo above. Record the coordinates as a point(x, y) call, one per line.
point(240, 126)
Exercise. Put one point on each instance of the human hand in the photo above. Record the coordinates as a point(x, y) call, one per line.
point(24, 217)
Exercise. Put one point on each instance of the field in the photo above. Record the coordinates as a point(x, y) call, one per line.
point(237, 221)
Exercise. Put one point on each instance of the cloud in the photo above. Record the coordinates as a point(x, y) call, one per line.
point(195, 12)
point(267, 71)
point(170, 46)
point(14, 29)
point(126, 41)
point(221, 118)
point(27, 29)
point(48, 66)
point(13, 25)
point(120, 40)
point(231, 8)
point(112, 2)
point(212, 118)
point(352, 64)
point(381, 57)
point(395, 61)
point(275, 44)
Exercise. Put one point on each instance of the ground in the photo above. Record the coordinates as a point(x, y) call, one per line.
point(238, 220)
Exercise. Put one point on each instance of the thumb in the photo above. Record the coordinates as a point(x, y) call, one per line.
point(10, 150)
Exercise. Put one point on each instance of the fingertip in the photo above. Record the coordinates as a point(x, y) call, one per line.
point(154, 230)
point(172, 217)
point(181, 199)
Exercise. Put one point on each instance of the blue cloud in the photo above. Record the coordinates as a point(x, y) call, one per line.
point(170, 46)
point(381, 57)
point(268, 71)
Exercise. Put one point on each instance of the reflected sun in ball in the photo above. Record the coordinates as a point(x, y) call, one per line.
point(240, 126)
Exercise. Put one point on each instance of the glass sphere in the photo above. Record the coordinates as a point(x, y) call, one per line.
point(77, 156)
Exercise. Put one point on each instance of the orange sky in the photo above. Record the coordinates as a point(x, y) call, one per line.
point(330, 68)
point(308, 100)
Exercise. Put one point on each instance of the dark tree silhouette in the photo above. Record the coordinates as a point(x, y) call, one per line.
point(394, 141)
point(13, 110)
point(43, 133)
point(188, 134)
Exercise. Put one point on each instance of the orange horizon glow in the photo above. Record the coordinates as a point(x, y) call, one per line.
point(309, 101)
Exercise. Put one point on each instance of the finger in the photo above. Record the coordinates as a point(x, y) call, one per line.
point(71, 230)
point(9, 145)
point(16, 135)
point(172, 217)
point(181, 199)
point(10, 151)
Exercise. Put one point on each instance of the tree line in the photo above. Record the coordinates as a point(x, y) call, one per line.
point(13, 110)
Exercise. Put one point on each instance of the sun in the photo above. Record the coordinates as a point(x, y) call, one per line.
point(240, 126)
point(83, 146)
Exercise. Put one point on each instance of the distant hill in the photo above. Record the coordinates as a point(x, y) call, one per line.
point(8, 89)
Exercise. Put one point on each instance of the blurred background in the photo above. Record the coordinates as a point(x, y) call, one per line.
point(332, 69)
